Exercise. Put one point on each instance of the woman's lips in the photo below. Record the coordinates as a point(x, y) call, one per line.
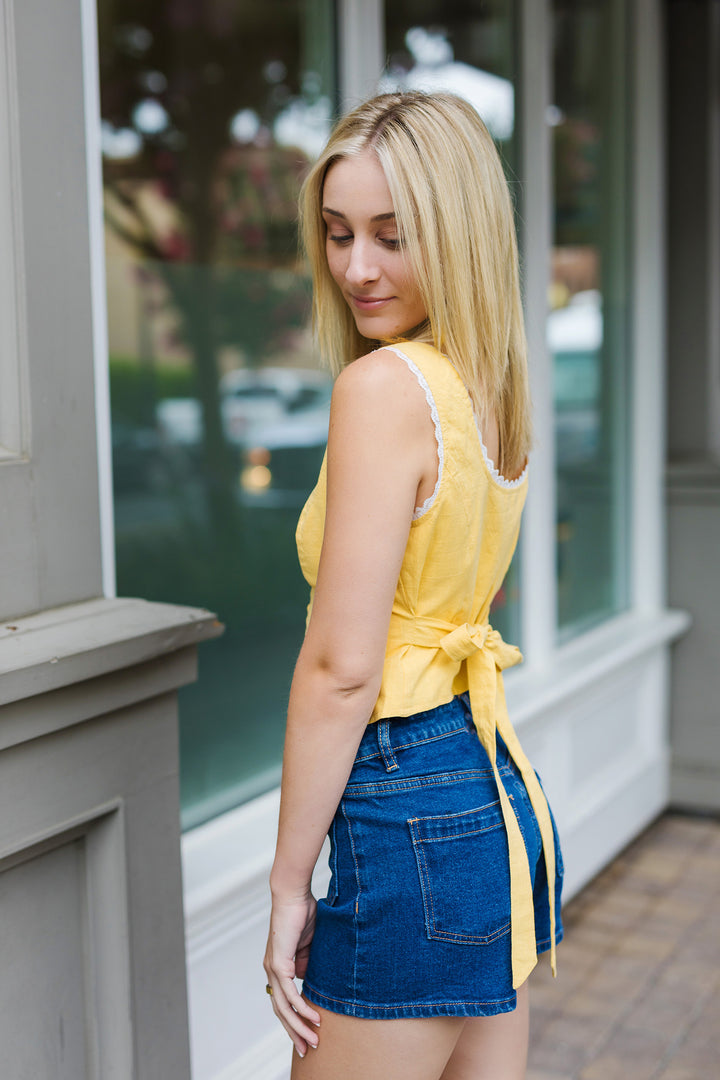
point(370, 303)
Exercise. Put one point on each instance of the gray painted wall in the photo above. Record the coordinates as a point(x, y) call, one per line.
point(49, 526)
point(693, 487)
point(692, 67)
point(92, 983)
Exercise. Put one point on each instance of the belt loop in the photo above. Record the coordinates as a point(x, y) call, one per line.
point(384, 746)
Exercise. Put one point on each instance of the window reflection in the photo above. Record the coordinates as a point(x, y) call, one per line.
point(587, 323)
point(211, 114)
point(428, 63)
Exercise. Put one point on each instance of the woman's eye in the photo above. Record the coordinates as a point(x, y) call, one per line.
point(392, 242)
point(340, 238)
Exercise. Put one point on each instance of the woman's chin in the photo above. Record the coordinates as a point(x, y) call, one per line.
point(383, 330)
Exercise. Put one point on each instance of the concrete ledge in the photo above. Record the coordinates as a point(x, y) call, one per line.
point(33, 717)
point(90, 841)
point(69, 644)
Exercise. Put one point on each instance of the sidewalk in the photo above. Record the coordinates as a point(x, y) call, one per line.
point(638, 990)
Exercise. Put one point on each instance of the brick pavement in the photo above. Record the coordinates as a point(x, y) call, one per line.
point(638, 991)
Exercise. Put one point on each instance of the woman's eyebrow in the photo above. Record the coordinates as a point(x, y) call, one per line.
point(377, 217)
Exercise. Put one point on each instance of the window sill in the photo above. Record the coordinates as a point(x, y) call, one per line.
point(588, 659)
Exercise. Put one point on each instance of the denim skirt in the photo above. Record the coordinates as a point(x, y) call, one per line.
point(416, 921)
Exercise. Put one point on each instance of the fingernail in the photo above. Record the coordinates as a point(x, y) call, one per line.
point(299, 1052)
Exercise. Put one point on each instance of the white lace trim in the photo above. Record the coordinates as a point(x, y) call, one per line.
point(420, 510)
point(497, 476)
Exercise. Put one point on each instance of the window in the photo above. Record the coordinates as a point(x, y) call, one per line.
point(211, 113)
point(588, 322)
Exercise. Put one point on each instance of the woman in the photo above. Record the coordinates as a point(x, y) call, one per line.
point(445, 866)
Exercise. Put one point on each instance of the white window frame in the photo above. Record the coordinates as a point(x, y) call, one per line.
point(361, 48)
point(98, 293)
point(538, 567)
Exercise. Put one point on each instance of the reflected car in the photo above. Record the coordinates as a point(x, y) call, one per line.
point(141, 462)
point(247, 397)
point(575, 340)
point(281, 458)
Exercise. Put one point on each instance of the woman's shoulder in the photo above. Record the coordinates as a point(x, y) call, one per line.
point(378, 400)
point(381, 378)
point(381, 367)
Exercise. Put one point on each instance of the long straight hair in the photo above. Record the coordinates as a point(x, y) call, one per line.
point(455, 221)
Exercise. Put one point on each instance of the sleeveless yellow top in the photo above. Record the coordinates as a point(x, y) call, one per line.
point(440, 643)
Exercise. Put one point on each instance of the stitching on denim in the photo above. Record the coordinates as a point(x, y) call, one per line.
point(431, 928)
point(378, 787)
point(407, 1004)
point(462, 814)
point(385, 746)
point(422, 874)
point(463, 834)
point(431, 738)
point(356, 909)
point(415, 742)
point(466, 939)
point(523, 792)
point(543, 944)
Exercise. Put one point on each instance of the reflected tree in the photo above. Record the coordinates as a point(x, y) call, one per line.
point(197, 185)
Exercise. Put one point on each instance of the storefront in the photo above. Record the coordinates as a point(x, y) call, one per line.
point(211, 112)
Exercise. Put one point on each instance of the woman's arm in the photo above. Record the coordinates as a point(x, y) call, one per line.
point(381, 452)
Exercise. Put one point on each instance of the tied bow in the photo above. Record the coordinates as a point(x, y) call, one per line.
point(483, 651)
point(464, 640)
point(486, 656)
point(459, 642)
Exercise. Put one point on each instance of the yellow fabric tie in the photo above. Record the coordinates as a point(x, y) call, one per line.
point(486, 656)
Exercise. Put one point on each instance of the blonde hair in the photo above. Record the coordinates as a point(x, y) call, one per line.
point(455, 218)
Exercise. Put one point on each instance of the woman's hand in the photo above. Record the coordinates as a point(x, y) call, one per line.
point(292, 923)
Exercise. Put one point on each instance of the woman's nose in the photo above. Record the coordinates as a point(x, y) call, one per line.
point(362, 266)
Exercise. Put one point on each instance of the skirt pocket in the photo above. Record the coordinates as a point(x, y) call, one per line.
point(462, 862)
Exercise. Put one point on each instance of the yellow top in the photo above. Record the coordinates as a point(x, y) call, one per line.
point(439, 642)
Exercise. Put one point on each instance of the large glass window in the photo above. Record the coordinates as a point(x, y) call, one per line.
point(467, 47)
point(588, 322)
point(211, 112)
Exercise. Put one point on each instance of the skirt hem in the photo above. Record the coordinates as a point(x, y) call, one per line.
point(416, 1009)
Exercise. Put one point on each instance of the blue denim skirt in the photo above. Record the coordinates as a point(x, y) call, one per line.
point(416, 921)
